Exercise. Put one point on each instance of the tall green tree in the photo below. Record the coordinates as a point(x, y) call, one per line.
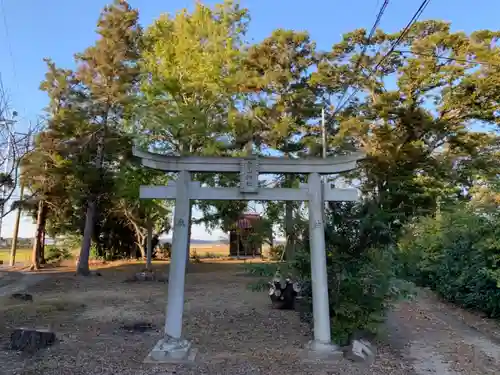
point(283, 103)
point(192, 87)
point(108, 73)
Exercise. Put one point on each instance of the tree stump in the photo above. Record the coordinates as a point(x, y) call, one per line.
point(138, 327)
point(22, 297)
point(30, 340)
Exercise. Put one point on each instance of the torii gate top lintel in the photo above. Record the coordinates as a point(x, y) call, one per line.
point(329, 165)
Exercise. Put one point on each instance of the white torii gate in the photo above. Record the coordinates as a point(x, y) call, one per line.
point(173, 347)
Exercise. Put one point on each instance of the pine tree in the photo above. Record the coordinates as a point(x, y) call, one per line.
point(108, 72)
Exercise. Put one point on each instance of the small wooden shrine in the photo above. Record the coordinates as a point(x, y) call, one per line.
point(244, 239)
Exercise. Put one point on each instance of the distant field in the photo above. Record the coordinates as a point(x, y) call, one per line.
point(209, 250)
point(22, 255)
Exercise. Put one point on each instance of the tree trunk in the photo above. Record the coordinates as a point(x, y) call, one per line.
point(39, 234)
point(42, 245)
point(83, 260)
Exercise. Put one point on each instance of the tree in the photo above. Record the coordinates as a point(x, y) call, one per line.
point(192, 87)
point(283, 103)
point(108, 73)
point(411, 150)
point(136, 211)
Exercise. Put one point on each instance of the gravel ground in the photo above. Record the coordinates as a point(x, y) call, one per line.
point(234, 330)
point(439, 338)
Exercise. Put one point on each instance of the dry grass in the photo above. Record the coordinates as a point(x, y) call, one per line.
point(233, 328)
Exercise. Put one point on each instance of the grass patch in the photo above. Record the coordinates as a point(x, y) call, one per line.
point(22, 255)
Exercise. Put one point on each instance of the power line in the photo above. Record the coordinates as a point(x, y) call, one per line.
point(405, 31)
point(365, 47)
point(440, 57)
point(9, 45)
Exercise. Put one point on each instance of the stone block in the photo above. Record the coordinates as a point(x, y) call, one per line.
point(360, 351)
point(30, 340)
point(172, 351)
point(321, 353)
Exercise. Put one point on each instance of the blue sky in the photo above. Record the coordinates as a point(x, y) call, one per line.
point(59, 28)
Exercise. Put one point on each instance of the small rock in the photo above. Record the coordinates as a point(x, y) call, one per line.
point(360, 351)
point(147, 276)
point(31, 340)
point(22, 296)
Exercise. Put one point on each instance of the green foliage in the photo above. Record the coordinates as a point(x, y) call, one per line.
point(457, 254)
point(262, 269)
point(276, 252)
point(164, 250)
point(55, 254)
point(361, 280)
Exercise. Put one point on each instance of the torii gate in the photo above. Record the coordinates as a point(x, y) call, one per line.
point(173, 347)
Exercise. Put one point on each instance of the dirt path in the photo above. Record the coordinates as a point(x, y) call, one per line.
point(439, 338)
point(13, 282)
point(233, 328)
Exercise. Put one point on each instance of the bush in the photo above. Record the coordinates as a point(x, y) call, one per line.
point(55, 254)
point(456, 254)
point(164, 251)
point(362, 279)
point(361, 289)
point(266, 269)
point(276, 252)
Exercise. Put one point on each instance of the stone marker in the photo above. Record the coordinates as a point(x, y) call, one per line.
point(30, 340)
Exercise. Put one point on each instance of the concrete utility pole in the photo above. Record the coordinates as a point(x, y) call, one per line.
point(15, 234)
point(16, 230)
point(4, 190)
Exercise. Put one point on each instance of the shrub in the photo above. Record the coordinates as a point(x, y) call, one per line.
point(164, 251)
point(55, 254)
point(266, 269)
point(362, 279)
point(361, 289)
point(458, 255)
point(276, 252)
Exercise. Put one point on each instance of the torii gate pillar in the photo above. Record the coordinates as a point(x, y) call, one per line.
point(173, 348)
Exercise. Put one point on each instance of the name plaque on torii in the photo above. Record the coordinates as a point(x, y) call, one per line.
point(249, 175)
